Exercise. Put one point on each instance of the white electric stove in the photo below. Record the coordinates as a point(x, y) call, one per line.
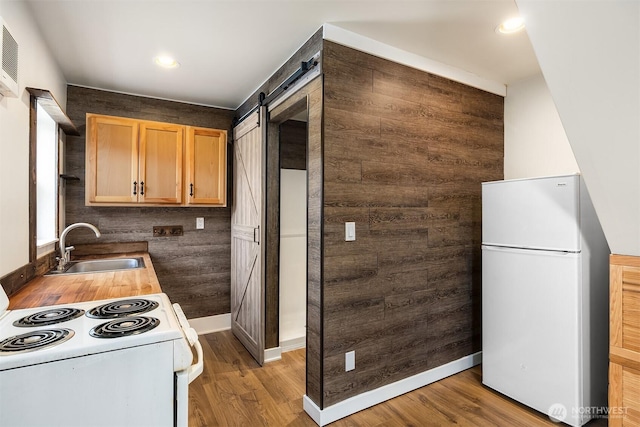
point(117, 362)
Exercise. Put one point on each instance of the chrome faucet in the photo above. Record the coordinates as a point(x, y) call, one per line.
point(65, 252)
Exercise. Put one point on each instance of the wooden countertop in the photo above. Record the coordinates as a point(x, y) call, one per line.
point(72, 288)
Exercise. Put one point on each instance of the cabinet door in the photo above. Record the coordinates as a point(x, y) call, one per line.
point(206, 153)
point(112, 160)
point(161, 163)
point(624, 382)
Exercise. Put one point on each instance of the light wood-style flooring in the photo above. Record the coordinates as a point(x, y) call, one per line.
point(235, 391)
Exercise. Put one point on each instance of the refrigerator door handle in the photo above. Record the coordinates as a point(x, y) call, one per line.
point(528, 250)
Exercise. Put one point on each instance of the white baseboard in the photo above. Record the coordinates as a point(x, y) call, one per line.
point(275, 353)
point(272, 354)
point(293, 344)
point(368, 399)
point(209, 324)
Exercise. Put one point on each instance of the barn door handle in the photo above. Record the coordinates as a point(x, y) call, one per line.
point(135, 188)
point(191, 192)
point(142, 188)
point(256, 235)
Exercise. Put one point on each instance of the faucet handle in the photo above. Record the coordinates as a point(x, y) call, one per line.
point(67, 253)
point(61, 263)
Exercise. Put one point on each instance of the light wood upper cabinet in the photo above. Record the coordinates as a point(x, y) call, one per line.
point(111, 160)
point(160, 163)
point(206, 171)
point(131, 162)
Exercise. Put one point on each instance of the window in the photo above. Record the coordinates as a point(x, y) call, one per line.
point(46, 120)
point(46, 179)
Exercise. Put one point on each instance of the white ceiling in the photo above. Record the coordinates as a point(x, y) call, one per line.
point(228, 48)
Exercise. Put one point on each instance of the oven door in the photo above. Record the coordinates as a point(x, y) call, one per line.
point(128, 387)
point(183, 379)
point(182, 399)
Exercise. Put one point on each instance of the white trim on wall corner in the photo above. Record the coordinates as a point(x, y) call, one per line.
point(272, 354)
point(275, 353)
point(368, 399)
point(365, 44)
point(210, 324)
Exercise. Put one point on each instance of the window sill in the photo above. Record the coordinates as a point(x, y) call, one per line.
point(44, 247)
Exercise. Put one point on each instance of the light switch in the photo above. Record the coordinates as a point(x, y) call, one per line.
point(349, 361)
point(199, 223)
point(349, 231)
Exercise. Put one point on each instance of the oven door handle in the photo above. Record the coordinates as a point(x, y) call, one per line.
point(192, 337)
point(196, 369)
point(189, 332)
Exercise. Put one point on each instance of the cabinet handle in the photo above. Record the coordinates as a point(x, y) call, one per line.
point(142, 188)
point(135, 188)
point(191, 193)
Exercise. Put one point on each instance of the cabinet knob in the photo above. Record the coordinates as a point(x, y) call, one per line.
point(135, 188)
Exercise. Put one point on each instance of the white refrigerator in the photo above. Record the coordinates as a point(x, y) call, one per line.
point(545, 283)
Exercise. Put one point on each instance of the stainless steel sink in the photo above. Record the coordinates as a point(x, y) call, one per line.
point(100, 265)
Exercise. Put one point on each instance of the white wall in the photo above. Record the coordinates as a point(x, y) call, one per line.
point(589, 53)
point(36, 68)
point(293, 254)
point(535, 143)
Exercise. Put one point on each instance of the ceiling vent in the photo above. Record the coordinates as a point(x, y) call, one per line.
point(9, 57)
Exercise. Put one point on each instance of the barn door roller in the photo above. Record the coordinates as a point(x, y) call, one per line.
point(263, 99)
point(305, 67)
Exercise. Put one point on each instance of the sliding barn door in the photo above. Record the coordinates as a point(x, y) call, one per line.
point(247, 234)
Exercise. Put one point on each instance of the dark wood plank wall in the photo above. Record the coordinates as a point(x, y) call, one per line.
point(272, 237)
point(404, 155)
point(315, 173)
point(193, 269)
point(293, 145)
point(309, 99)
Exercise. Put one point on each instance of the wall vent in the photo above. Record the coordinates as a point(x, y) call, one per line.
point(9, 56)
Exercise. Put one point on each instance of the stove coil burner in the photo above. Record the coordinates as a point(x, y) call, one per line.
point(116, 309)
point(49, 317)
point(34, 340)
point(124, 327)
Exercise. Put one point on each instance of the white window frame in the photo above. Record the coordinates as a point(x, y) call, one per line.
point(47, 181)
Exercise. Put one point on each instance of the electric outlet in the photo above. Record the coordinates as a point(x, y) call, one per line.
point(349, 361)
point(199, 223)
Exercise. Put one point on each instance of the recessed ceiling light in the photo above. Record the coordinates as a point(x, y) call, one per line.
point(166, 62)
point(511, 25)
